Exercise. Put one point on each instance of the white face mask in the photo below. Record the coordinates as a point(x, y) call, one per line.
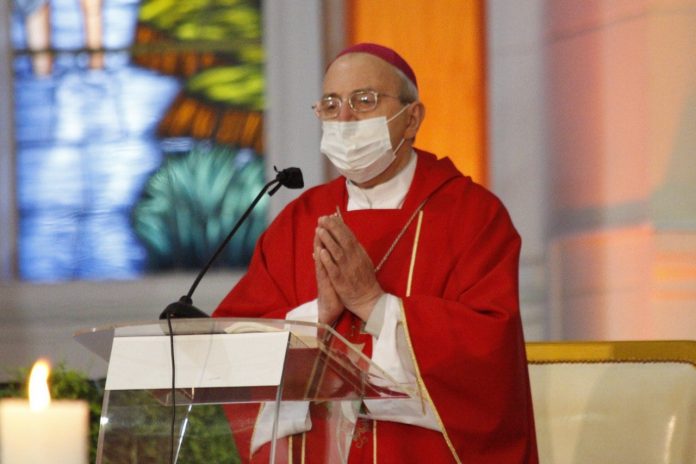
point(360, 150)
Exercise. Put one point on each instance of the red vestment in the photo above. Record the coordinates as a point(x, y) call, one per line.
point(461, 310)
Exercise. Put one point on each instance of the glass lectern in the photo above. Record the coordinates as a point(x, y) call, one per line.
point(270, 381)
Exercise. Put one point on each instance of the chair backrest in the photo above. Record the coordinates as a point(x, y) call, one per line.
point(614, 402)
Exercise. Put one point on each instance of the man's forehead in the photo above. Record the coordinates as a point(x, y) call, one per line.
point(360, 71)
point(387, 54)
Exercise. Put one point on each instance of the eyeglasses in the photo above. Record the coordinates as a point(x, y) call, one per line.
point(360, 101)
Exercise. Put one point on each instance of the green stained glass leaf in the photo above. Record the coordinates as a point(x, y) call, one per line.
point(238, 86)
point(235, 22)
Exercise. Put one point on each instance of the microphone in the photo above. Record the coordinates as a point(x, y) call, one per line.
point(290, 178)
point(184, 308)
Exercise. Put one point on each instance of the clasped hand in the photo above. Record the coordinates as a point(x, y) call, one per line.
point(345, 274)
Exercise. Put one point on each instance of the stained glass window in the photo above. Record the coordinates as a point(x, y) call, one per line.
point(138, 131)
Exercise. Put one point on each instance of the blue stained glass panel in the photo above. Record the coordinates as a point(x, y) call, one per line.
point(87, 142)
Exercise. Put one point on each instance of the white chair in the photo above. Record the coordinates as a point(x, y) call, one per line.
point(614, 402)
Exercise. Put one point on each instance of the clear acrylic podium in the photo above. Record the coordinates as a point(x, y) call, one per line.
point(256, 383)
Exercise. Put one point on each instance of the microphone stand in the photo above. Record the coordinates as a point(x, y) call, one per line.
point(184, 308)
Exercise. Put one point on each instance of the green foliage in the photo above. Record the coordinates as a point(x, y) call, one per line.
point(140, 423)
point(208, 437)
point(191, 203)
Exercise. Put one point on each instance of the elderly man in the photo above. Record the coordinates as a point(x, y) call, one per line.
point(412, 261)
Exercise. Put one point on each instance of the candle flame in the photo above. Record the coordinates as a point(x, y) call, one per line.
point(39, 396)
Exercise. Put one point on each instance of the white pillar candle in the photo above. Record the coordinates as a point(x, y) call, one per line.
point(57, 431)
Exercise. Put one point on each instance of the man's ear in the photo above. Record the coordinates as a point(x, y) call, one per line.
point(415, 117)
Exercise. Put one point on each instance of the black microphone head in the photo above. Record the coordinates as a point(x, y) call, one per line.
point(290, 178)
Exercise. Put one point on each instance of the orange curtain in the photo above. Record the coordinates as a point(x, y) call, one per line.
point(443, 40)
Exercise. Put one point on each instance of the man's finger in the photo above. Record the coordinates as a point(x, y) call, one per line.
point(340, 232)
point(328, 243)
point(330, 267)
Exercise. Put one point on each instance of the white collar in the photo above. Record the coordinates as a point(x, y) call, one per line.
point(387, 195)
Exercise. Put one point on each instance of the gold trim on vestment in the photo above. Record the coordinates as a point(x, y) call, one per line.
point(413, 253)
point(374, 441)
point(290, 449)
point(304, 446)
point(425, 395)
point(424, 390)
point(411, 270)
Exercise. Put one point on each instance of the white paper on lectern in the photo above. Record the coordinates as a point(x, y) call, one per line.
point(212, 360)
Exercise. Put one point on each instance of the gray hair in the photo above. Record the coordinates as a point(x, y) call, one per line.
point(408, 92)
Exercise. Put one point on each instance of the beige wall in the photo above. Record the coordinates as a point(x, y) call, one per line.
point(518, 139)
point(609, 88)
point(40, 320)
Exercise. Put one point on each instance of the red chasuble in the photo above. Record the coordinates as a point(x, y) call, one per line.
point(460, 305)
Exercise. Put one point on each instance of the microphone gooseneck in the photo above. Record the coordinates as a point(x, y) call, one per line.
point(184, 308)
